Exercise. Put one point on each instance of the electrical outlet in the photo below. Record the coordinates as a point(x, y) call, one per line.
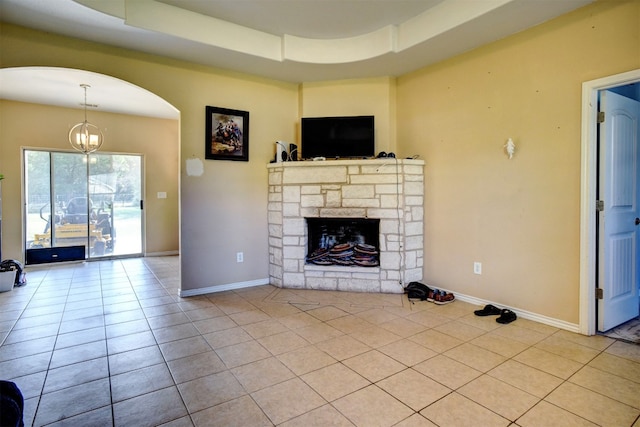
point(477, 268)
point(239, 257)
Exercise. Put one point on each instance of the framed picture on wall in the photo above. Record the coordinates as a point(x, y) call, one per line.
point(226, 134)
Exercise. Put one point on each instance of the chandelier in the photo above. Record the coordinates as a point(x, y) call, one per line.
point(86, 137)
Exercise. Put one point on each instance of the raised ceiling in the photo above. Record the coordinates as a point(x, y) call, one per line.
point(290, 40)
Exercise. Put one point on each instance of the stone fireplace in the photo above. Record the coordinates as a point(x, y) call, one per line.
point(333, 205)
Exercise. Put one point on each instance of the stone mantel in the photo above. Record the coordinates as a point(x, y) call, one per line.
point(388, 189)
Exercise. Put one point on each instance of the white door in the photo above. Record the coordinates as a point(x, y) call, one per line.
point(619, 221)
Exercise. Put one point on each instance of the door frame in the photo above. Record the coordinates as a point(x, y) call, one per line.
point(588, 185)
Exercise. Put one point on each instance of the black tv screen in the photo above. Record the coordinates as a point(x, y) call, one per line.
point(338, 137)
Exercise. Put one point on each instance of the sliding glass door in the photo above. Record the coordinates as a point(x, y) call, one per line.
point(83, 202)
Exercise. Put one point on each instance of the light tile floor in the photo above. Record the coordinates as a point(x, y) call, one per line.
point(110, 343)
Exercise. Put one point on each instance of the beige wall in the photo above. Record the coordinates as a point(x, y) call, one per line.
point(24, 125)
point(519, 217)
point(222, 211)
point(359, 97)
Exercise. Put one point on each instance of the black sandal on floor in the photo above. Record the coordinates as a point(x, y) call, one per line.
point(488, 310)
point(506, 316)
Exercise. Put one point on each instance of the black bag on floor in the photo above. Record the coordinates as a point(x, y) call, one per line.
point(13, 265)
point(417, 290)
point(11, 405)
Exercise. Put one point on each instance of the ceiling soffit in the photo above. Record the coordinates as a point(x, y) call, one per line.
point(168, 19)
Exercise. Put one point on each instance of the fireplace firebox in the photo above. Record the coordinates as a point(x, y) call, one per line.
point(343, 241)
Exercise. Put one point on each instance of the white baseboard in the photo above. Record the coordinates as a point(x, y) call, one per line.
point(222, 288)
point(166, 253)
point(561, 324)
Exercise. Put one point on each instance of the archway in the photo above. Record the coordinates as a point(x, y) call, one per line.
point(32, 96)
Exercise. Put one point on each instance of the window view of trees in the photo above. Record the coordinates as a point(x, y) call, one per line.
point(110, 175)
point(110, 183)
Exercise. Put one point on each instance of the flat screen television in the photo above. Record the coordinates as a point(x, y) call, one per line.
point(338, 137)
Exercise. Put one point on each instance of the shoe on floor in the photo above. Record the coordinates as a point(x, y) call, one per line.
point(443, 297)
point(506, 316)
point(488, 310)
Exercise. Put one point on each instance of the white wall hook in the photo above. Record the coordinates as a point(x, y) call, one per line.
point(510, 148)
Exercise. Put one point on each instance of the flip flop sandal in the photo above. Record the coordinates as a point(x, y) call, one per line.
point(488, 310)
point(506, 316)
